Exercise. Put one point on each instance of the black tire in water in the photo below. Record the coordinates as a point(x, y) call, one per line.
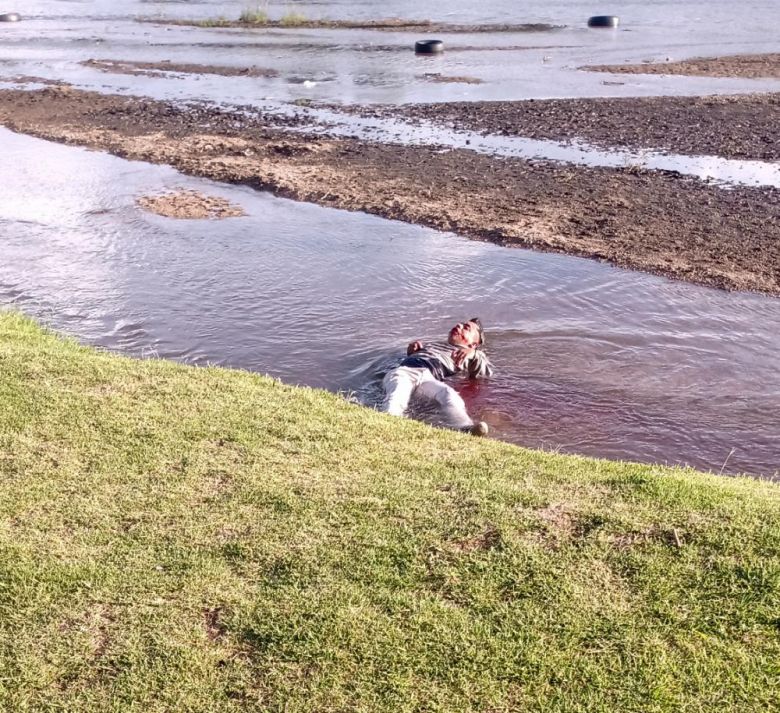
point(10, 17)
point(428, 47)
point(603, 21)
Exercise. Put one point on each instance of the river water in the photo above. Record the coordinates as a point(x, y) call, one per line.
point(590, 359)
point(373, 66)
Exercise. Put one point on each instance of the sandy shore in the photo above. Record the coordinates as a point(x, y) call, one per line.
point(744, 66)
point(740, 126)
point(654, 221)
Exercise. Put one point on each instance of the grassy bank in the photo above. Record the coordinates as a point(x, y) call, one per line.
point(180, 539)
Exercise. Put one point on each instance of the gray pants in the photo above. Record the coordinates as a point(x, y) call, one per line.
point(406, 381)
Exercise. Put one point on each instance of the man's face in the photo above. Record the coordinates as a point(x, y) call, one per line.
point(464, 334)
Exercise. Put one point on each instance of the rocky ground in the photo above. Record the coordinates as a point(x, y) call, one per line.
point(654, 221)
point(741, 126)
point(744, 66)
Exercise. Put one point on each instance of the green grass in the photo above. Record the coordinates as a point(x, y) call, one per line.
point(183, 539)
point(253, 16)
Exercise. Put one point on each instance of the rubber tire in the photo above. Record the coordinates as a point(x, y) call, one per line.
point(10, 17)
point(603, 21)
point(428, 47)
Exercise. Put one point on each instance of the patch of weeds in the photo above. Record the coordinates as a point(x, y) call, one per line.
point(636, 163)
point(256, 15)
point(220, 21)
point(293, 19)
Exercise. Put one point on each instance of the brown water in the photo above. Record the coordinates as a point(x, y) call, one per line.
point(590, 359)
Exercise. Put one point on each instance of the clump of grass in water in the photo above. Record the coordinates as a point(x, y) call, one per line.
point(254, 16)
point(213, 22)
point(293, 19)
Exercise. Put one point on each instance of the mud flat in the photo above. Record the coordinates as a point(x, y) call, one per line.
point(161, 69)
point(437, 78)
point(739, 127)
point(744, 66)
point(659, 222)
point(387, 25)
point(191, 205)
point(29, 79)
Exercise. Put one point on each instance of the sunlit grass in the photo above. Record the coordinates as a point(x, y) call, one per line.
point(212, 22)
point(254, 16)
point(293, 19)
point(200, 539)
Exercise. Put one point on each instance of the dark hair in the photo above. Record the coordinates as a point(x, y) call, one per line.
point(477, 321)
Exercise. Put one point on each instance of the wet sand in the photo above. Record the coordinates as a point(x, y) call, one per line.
point(159, 69)
point(744, 66)
point(437, 78)
point(740, 126)
point(28, 79)
point(659, 222)
point(190, 205)
point(392, 24)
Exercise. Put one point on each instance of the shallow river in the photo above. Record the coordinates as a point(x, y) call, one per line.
point(590, 359)
point(372, 66)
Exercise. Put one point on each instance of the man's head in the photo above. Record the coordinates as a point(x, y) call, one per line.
point(467, 334)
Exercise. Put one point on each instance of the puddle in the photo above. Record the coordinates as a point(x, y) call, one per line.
point(590, 359)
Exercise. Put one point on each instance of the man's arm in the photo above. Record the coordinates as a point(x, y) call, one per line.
point(413, 347)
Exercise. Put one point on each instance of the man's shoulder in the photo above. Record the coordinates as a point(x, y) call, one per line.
point(481, 364)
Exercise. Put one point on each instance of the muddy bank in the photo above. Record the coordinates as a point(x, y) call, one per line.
point(659, 222)
point(160, 69)
point(191, 205)
point(437, 78)
point(744, 66)
point(28, 79)
point(295, 22)
point(740, 127)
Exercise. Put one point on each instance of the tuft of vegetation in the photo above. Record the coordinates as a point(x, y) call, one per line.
point(220, 21)
point(191, 539)
point(293, 19)
point(254, 16)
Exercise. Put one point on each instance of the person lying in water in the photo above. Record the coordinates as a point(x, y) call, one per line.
point(423, 370)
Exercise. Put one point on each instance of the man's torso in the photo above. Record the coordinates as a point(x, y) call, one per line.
point(438, 358)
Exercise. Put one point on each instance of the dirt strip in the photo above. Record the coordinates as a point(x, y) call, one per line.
point(745, 66)
point(654, 221)
point(295, 22)
point(741, 126)
point(439, 78)
point(161, 69)
point(28, 79)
